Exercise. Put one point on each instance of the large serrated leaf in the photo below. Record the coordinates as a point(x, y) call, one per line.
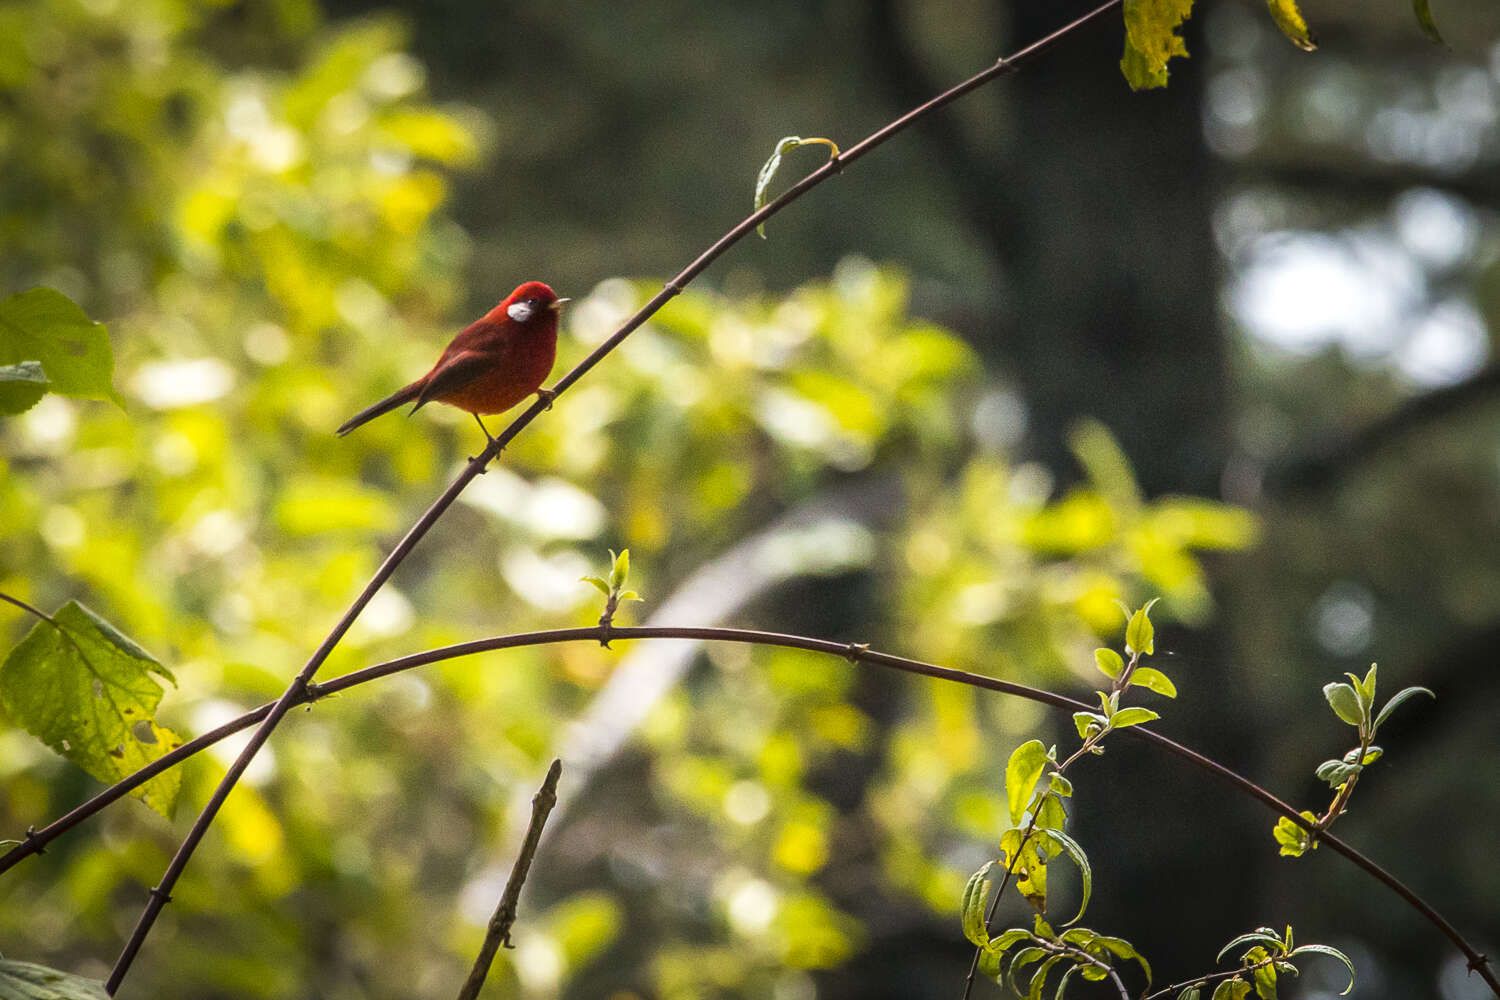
point(90, 693)
point(26, 981)
point(45, 326)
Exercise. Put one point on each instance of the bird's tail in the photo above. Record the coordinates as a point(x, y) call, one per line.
point(386, 405)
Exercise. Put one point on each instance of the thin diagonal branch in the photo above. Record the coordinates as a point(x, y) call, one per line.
point(855, 653)
point(162, 892)
point(504, 917)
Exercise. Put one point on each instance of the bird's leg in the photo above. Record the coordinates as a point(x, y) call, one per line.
point(546, 396)
point(488, 436)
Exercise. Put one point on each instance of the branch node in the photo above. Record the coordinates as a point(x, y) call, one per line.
point(606, 623)
point(161, 894)
point(856, 651)
point(314, 691)
point(836, 160)
point(672, 288)
point(33, 842)
point(1477, 964)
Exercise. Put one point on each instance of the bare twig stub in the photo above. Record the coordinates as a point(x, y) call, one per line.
point(505, 913)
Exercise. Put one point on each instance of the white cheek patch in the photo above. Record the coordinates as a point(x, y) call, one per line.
point(520, 312)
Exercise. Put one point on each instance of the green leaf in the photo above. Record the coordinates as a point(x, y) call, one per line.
point(1062, 984)
point(1193, 992)
point(1344, 702)
point(44, 326)
point(1232, 989)
point(1070, 847)
point(1151, 40)
point(1262, 935)
point(1109, 662)
point(1323, 949)
point(1087, 723)
point(1397, 699)
point(25, 981)
point(1336, 772)
point(1061, 785)
point(1366, 704)
point(1124, 949)
point(1289, 19)
point(1023, 958)
point(598, 583)
point(1264, 977)
point(1140, 634)
point(1132, 717)
point(620, 571)
point(769, 168)
point(1021, 775)
point(1368, 684)
point(1423, 10)
point(22, 386)
point(629, 595)
point(89, 693)
point(976, 897)
point(1039, 978)
point(1154, 680)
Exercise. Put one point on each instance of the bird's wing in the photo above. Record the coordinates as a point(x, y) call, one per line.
point(453, 372)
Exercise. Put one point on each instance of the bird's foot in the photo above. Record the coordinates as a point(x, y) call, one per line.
point(546, 396)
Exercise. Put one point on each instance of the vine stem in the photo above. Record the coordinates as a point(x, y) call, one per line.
point(161, 893)
point(854, 652)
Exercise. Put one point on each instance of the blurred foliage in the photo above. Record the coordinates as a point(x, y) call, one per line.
point(253, 199)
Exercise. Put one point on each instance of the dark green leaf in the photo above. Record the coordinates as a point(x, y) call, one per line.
point(1039, 978)
point(45, 326)
point(1021, 775)
point(1193, 992)
point(21, 386)
point(1344, 702)
point(1336, 772)
point(1397, 699)
point(1109, 662)
point(25, 981)
point(90, 693)
point(1124, 949)
point(1023, 958)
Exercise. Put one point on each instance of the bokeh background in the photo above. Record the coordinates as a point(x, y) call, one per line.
point(1228, 344)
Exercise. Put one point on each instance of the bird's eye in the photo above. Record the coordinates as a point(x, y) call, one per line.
point(522, 311)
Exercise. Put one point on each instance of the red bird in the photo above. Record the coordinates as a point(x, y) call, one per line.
point(497, 361)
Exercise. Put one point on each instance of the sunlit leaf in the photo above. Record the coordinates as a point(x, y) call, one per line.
point(1109, 662)
point(1151, 40)
point(90, 693)
point(769, 168)
point(1260, 936)
point(1154, 680)
point(1132, 717)
point(1140, 634)
point(1232, 989)
point(1071, 848)
point(1289, 19)
point(1021, 775)
point(45, 326)
point(1344, 702)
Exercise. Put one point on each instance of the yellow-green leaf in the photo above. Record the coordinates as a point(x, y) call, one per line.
point(1021, 775)
point(1154, 680)
point(90, 693)
point(1151, 40)
point(45, 326)
point(1423, 10)
point(1289, 19)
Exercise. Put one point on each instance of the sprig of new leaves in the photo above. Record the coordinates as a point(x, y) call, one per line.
point(1354, 703)
point(613, 588)
point(1036, 836)
point(1267, 958)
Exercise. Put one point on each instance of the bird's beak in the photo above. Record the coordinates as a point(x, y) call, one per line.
point(558, 304)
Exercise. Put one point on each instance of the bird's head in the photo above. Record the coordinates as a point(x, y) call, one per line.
point(530, 302)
